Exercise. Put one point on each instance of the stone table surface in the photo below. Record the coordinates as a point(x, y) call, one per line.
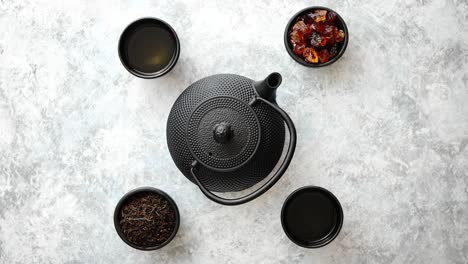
point(385, 129)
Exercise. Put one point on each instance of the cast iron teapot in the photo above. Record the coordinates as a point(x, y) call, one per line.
point(226, 133)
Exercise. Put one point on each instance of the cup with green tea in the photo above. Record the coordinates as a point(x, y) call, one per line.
point(149, 48)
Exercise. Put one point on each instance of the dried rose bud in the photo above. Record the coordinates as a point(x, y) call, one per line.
point(315, 39)
point(331, 17)
point(320, 15)
point(299, 49)
point(296, 37)
point(323, 55)
point(301, 27)
point(340, 36)
point(334, 50)
point(330, 31)
point(310, 55)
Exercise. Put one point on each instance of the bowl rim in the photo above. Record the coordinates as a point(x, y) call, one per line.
point(130, 194)
point(331, 235)
point(168, 67)
point(300, 60)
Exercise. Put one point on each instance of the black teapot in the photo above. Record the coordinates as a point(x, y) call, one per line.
point(226, 133)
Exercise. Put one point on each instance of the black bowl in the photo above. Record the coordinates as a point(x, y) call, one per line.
point(128, 32)
point(311, 217)
point(130, 194)
point(340, 24)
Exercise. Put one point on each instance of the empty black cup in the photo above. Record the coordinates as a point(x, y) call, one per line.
point(149, 48)
point(311, 217)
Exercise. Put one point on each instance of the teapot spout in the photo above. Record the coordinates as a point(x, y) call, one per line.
point(267, 87)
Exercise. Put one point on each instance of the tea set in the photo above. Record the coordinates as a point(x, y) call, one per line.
point(226, 133)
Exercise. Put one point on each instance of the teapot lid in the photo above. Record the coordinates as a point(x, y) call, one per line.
point(223, 133)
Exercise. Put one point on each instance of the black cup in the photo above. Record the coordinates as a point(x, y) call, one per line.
point(130, 194)
point(339, 23)
point(129, 36)
point(311, 217)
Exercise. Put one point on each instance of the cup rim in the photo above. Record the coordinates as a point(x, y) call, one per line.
point(130, 194)
point(326, 239)
point(299, 59)
point(168, 67)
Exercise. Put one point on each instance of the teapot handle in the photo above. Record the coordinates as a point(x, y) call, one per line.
point(267, 185)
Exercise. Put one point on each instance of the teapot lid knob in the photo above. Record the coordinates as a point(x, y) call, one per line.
point(222, 132)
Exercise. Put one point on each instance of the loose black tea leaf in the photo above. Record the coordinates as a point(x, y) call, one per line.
point(147, 219)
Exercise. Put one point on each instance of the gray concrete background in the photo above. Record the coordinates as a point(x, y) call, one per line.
point(385, 129)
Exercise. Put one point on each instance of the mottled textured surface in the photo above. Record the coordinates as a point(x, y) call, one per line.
point(385, 129)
